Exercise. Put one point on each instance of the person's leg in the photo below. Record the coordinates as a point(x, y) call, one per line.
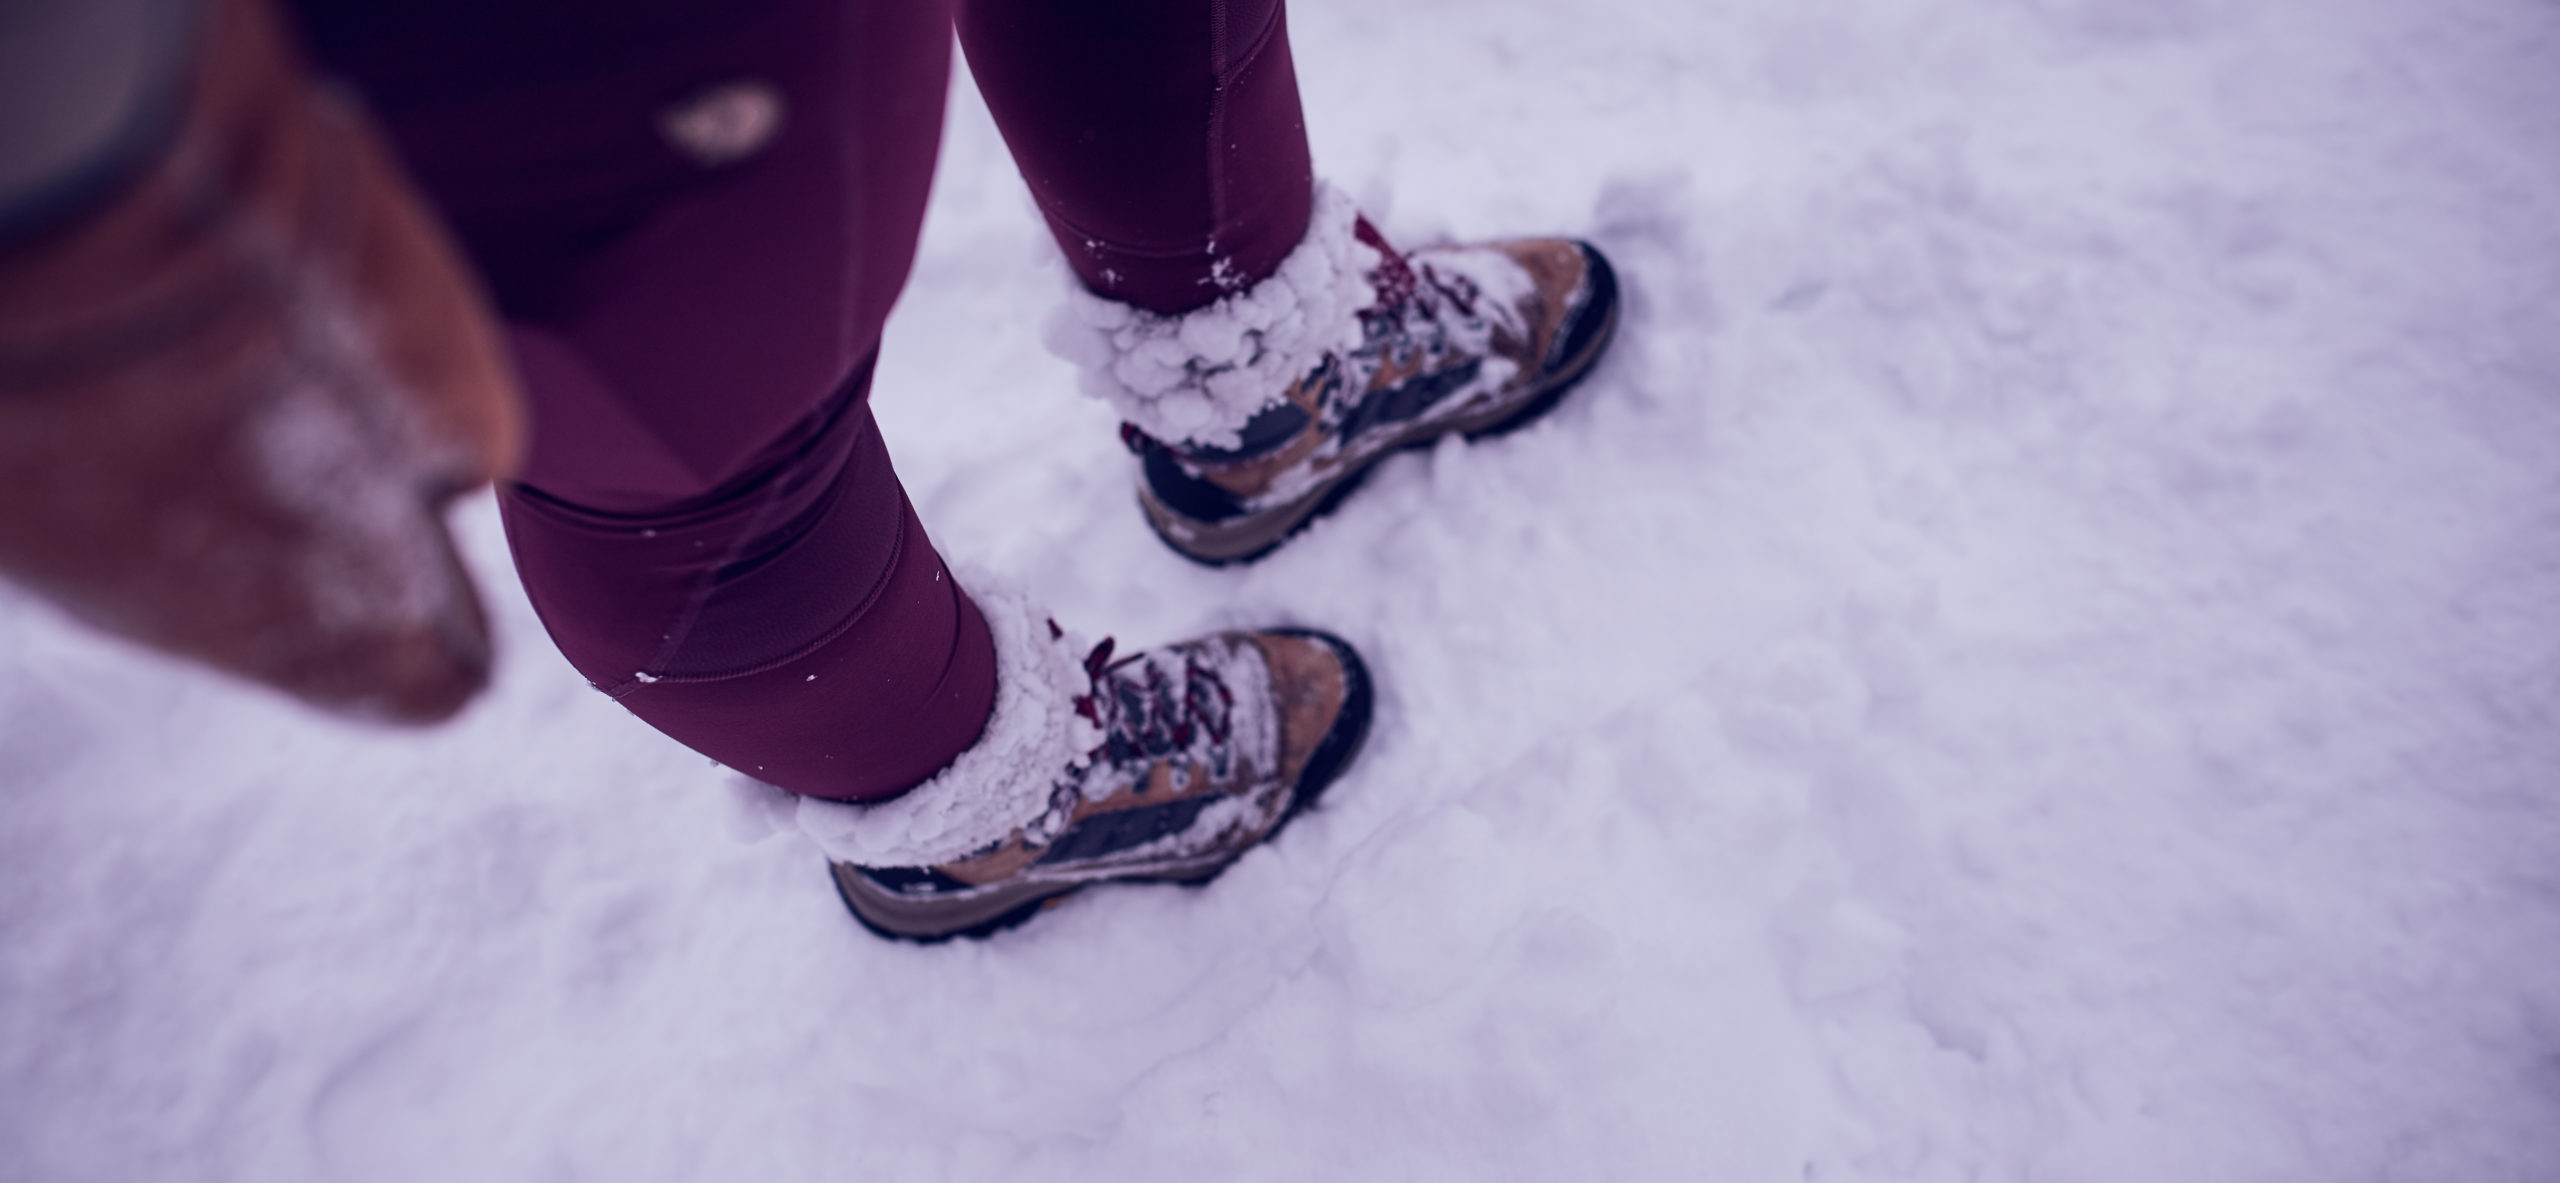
point(1162, 138)
point(695, 217)
point(708, 523)
point(1263, 343)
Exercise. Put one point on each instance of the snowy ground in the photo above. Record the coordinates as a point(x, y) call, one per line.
point(2037, 659)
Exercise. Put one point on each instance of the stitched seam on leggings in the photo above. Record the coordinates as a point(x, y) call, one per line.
point(713, 503)
point(1217, 131)
point(774, 497)
point(708, 584)
point(1226, 73)
point(1252, 55)
point(1192, 251)
point(870, 599)
point(1235, 77)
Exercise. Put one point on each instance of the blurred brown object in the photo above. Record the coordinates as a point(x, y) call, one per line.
point(235, 398)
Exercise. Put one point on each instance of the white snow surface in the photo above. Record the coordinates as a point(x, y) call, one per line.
point(2037, 658)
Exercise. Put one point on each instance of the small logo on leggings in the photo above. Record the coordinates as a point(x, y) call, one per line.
point(725, 124)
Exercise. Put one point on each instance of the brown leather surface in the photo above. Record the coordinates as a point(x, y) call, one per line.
point(234, 400)
point(1556, 267)
point(1307, 688)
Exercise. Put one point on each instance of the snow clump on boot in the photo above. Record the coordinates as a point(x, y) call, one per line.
point(1197, 378)
point(997, 787)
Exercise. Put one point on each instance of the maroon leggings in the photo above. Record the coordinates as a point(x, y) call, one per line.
point(708, 522)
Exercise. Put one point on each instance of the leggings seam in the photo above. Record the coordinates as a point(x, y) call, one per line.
point(1217, 130)
point(1227, 74)
point(1170, 252)
point(870, 599)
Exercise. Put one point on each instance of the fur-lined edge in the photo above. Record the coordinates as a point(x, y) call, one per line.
point(1199, 377)
point(998, 786)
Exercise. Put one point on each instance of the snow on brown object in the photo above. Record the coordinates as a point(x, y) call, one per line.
point(234, 400)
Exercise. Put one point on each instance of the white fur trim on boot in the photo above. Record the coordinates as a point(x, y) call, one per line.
point(997, 786)
point(1199, 377)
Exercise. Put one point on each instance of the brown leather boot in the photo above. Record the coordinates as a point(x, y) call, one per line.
point(1257, 414)
point(237, 392)
point(1204, 749)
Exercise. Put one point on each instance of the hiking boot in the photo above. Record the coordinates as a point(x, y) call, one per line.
point(1206, 748)
point(1473, 340)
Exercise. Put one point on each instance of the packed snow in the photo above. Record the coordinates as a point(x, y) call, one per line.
point(2037, 658)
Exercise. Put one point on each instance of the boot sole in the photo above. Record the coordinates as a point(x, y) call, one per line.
point(1251, 536)
point(929, 922)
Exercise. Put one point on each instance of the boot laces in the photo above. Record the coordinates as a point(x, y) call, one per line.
point(1171, 706)
point(1422, 314)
